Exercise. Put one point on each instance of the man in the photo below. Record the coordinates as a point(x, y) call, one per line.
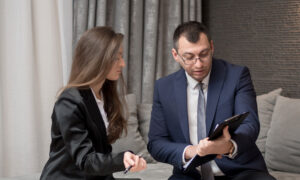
point(189, 103)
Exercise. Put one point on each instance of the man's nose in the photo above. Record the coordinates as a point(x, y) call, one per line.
point(198, 62)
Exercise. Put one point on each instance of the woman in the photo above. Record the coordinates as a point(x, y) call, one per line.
point(89, 113)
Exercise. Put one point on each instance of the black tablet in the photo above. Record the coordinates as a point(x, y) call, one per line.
point(233, 123)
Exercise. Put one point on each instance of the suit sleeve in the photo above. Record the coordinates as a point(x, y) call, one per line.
point(245, 100)
point(71, 123)
point(160, 146)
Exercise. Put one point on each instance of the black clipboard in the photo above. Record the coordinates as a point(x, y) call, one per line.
point(233, 123)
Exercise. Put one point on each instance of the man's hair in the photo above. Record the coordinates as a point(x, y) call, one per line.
point(191, 31)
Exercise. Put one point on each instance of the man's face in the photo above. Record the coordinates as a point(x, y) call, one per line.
point(195, 58)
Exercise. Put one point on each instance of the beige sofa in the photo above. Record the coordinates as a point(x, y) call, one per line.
point(279, 138)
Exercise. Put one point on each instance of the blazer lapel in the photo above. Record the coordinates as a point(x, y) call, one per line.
point(215, 85)
point(180, 86)
point(93, 109)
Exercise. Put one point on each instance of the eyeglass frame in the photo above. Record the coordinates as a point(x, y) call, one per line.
point(194, 60)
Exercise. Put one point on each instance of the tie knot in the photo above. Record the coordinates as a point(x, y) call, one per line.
point(201, 85)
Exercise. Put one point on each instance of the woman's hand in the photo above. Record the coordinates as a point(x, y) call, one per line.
point(138, 163)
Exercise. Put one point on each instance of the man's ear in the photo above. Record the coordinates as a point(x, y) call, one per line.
point(212, 47)
point(175, 55)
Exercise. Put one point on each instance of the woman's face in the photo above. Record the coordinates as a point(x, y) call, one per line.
point(117, 67)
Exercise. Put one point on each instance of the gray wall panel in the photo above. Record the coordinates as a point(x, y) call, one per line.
point(263, 35)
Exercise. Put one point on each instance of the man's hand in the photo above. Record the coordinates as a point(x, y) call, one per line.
point(190, 152)
point(220, 146)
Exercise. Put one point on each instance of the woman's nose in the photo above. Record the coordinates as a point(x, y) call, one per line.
point(122, 62)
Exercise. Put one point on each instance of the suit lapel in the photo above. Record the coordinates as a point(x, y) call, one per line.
point(215, 85)
point(180, 86)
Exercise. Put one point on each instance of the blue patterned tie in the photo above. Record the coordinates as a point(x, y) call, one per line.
point(206, 171)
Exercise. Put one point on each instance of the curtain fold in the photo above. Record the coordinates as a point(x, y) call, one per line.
point(65, 12)
point(149, 48)
point(148, 26)
point(136, 37)
point(30, 76)
point(121, 24)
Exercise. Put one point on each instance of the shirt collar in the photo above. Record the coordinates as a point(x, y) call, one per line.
point(194, 83)
point(97, 100)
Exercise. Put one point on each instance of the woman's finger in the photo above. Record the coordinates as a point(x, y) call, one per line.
point(140, 164)
point(144, 163)
point(128, 159)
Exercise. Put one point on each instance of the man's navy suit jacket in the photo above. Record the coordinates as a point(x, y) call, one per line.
point(230, 92)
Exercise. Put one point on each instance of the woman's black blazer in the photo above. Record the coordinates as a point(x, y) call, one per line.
point(79, 148)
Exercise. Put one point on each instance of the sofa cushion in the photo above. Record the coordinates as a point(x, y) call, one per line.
point(144, 116)
point(133, 140)
point(279, 175)
point(265, 105)
point(283, 142)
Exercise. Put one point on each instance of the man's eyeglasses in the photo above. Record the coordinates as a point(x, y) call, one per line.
point(192, 59)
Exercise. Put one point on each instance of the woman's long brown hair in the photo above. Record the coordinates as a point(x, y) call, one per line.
point(94, 56)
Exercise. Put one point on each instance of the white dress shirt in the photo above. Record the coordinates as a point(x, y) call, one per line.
point(192, 104)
